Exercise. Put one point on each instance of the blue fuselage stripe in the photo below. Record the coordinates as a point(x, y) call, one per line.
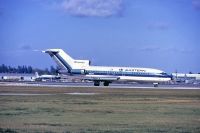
point(117, 73)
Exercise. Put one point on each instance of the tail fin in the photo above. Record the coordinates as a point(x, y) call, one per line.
point(36, 74)
point(64, 61)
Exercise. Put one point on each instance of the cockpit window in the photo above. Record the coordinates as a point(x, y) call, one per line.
point(163, 73)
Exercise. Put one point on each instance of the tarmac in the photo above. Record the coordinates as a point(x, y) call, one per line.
point(90, 85)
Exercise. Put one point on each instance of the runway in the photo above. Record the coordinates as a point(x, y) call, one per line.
point(90, 85)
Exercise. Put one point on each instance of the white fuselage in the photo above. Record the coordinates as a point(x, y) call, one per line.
point(128, 73)
point(104, 73)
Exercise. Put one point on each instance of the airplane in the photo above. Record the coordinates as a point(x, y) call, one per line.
point(46, 77)
point(106, 74)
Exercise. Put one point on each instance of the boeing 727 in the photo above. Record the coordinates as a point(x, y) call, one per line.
point(106, 74)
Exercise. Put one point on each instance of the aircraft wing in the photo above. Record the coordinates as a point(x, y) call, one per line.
point(101, 78)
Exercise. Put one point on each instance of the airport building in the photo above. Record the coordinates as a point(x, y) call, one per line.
point(186, 77)
point(16, 77)
point(32, 77)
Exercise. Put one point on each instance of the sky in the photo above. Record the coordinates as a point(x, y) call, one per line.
point(162, 34)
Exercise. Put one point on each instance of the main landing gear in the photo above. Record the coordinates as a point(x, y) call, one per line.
point(155, 84)
point(97, 83)
point(106, 83)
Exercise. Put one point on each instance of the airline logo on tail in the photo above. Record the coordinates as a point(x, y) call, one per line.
point(65, 61)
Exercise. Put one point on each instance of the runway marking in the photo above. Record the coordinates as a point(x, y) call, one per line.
point(78, 93)
point(28, 94)
point(23, 94)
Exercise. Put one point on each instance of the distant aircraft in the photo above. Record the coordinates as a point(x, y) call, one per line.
point(106, 74)
point(46, 77)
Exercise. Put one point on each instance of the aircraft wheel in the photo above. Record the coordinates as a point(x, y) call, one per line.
point(96, 83)
point(155, 84)
point(106, 83)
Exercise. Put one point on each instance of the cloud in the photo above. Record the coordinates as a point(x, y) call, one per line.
point(150, 49)
point(25, 47)
point(196, 4)
point(93, 8)
point(153, 48)
point(158, 26)
point(178, 50)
